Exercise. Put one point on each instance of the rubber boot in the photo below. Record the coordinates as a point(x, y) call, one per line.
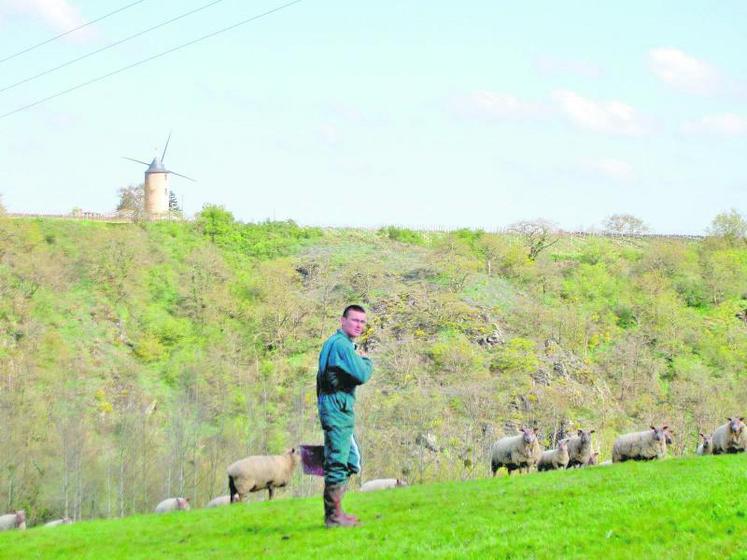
point(333, 514)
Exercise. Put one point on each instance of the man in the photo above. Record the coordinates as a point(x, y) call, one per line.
point(342, 367)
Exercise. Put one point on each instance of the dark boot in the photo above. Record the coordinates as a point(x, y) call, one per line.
point(348, 516)
point(333, 514)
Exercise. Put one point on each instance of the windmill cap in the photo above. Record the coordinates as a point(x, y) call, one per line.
point(156, 166)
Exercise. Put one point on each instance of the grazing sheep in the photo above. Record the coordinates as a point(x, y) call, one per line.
point(641, 446)
point(260, 472)
point(730, 438)
point(173, 504)
point(579, 448)
point(15, 520)
point(554, 458)
point(706, 446)
point(221, 501)
point(516, 452)
point(58, 522)
point(382, 484)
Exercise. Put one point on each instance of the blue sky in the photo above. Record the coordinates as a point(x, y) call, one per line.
point(475, 114)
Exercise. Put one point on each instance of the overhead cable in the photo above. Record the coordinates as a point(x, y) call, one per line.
point(111, 45)
point(69, 31)
point(154, 57)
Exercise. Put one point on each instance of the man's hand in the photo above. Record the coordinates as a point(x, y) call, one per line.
point(362, 353)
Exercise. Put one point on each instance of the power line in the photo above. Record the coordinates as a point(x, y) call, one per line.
point(69, 31)
point(155, 56)
point(116, 43)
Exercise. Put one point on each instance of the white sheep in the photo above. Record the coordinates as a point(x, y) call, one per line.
point(220, 501)
point(382, 484)
point(579, 449)
point(173, 504)
point(641, 446)
point(58, 522)
point(730, 437)
point(16, 520)
point(516, 452)
point(554, 458)
point(706, 445)
point(260, 472)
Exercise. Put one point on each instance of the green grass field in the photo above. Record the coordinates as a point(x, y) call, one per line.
point(678, 508)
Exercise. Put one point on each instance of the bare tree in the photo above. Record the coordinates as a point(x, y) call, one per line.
point(537, 235)
point(132, 201)
point(624, 224)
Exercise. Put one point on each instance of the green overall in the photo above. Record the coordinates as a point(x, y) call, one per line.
point(341, 369)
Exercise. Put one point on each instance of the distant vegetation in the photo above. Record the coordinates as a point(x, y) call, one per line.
point(138, 360)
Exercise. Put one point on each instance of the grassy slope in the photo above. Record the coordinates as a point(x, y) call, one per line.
point(680, 508)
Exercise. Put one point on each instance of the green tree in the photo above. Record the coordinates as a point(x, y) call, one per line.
point(215, 222)
point(731, 226)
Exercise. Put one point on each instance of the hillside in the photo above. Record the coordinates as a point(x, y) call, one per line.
point(684, 508)
point(138, 360)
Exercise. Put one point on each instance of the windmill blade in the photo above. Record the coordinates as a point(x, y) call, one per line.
point(180, 175)
point(136, 160)
point(166, 146)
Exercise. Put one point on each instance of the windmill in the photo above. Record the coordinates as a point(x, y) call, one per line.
point(157, 185)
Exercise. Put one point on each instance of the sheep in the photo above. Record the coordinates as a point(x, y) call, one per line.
point(706, 446)
point(220, 501)
point(259, 472)
point(382, 484)
point(15, 520)
point(641, 446)
point(58, 522)
point(730, 438)
point(516, 452)
point(173, 504)
point(593, 459)
point(579, 448)
point(554, 458)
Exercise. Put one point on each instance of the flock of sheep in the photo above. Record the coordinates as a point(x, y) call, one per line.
point(521, 452)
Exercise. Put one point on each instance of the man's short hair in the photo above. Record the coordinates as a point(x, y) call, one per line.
point(353, 308)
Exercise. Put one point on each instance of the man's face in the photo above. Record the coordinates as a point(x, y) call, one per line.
point(353, 324)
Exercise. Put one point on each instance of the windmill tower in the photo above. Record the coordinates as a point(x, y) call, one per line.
point(157, 185)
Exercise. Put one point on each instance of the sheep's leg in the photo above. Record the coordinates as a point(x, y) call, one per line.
point(270, 490)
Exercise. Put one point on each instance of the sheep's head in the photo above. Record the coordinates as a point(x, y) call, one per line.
point(585, 436)
point(593, 458)
point(295, 456)
point(182, 503)
point(660, 434)
point(20, 516)
point(707, 440)
point(401, 482)
point(528, 435)
point(563, 445)
point(736, 425)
